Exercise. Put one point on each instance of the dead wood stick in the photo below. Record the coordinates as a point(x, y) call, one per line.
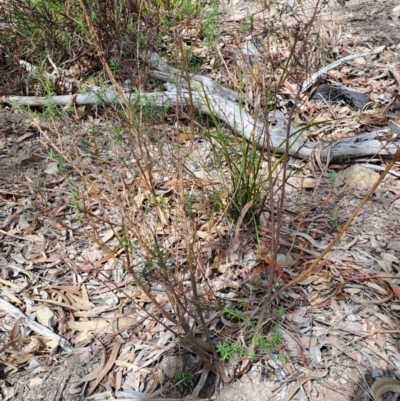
point(34, 326)
point(214, 99)
point(314, 77)
point(153, 399)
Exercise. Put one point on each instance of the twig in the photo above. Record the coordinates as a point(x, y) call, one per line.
point(18, 237)
point(314, 77)
point(380, 168)
point(221, 102)
point(296, 386)
point(306, 272)
point(34, 326)
point(152, 399)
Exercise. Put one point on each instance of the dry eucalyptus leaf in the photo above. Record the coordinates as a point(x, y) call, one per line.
point(360, 177)
point(35, 381)
point(171, 364)
point(46, 317)
point(387, 320)
point(52, 169)
point(292, 345)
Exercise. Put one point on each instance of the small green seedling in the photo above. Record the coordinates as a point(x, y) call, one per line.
point(335, 219)
point(229, 351)
point(183, 379)
point(332, 177)
point(234, 314)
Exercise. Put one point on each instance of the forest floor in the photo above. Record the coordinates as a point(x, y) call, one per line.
point(340, 326)
point(368, 23)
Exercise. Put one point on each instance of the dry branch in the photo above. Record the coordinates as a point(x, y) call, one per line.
point(34, 326)
point(214, 99)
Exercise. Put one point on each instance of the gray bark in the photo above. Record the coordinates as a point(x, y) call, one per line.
point(212, 98)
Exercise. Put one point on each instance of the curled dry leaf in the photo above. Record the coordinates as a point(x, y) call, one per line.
point(91, 376)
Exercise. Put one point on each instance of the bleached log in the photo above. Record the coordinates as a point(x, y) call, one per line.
point(214, 99)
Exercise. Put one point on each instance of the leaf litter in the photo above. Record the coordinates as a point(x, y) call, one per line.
point(343, 317)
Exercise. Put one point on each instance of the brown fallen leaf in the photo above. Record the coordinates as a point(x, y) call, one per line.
point(93, 375)
point(105, 325)
point(108, 366)
point(13, 333)
point(294, 388)
point(395, 289)
point(70, 289)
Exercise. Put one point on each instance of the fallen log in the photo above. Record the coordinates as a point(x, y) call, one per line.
point(220, 102)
